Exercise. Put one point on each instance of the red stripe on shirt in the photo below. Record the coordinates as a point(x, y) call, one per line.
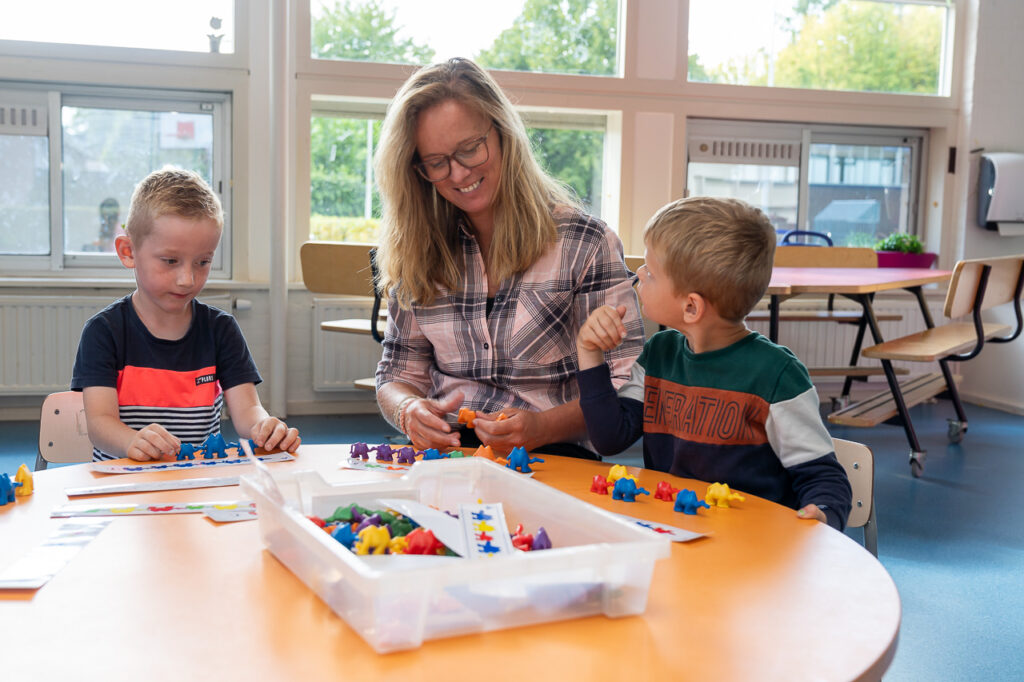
point(167, 388)
point(704, 415)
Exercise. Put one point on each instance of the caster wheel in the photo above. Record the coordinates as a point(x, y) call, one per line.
point(956, 430)
point(916, 464)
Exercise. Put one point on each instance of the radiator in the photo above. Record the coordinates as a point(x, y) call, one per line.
point(339, 358)
point(829, 344)
point(39, 339)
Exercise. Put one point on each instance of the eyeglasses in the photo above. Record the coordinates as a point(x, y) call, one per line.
point(438, 167)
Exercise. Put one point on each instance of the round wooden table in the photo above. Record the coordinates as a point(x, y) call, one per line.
point(764, 596)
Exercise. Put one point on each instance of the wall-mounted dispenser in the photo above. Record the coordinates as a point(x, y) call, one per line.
point(1001, 193)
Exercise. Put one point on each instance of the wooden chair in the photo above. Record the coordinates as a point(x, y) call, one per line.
point(345, 269)
point(859, 464)
point(977, 285)
point(63, 433)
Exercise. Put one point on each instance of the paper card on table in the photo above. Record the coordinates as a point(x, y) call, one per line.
point(364, 465)
point(139, 467)
point(444, 527)
point(485, 531)
point(230, 515)
point(35, 569)
point(150, 508)
point(671, 532)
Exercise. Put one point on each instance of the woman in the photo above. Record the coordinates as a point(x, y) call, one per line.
point(490, 268)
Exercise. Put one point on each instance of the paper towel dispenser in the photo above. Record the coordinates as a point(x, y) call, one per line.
point(1000, 189)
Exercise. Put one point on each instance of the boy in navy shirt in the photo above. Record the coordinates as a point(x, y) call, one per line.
point(713, 400)
point(157, 366)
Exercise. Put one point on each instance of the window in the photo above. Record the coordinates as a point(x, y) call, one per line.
point(187, 25)
point(345, 206)
point(856, 185)
point(66, 194)
point(578, 37)
point(860, 45)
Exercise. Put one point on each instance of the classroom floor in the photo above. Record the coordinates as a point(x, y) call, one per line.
point(952, 540)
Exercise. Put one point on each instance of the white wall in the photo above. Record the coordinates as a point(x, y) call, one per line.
point(991, 119)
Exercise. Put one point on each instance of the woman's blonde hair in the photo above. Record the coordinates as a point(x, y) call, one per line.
point(419, 229)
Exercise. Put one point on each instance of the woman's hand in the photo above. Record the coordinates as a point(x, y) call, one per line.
point(519, 427)
point(424, 422)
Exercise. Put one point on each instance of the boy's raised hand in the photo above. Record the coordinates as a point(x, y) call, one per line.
point(271, 433)
point(603, 331)
point(152, 442)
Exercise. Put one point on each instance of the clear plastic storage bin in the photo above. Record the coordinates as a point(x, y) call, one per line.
point(600, 563)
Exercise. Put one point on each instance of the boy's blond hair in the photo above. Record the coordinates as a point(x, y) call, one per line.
point(170, 191)
point(722, 249)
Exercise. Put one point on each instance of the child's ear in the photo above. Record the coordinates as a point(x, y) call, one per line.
point(694, 307)
point(125, 250)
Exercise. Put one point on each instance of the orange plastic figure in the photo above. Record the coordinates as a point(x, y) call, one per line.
point(466, 416)
point(485, 452)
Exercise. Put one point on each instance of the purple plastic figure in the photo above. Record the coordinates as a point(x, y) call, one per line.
point(384, 453)
point(187, 451)
point(541, 540)
point(687, 502)
point(360, 450)
point(520, 461)
point(626, 490)
point(406, 455)
point(371, 520)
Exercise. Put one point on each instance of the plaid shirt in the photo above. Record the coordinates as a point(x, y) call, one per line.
point(524, 353)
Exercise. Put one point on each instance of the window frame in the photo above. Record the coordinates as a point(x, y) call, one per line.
point(59, 262)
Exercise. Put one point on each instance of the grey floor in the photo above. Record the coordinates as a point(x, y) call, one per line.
point(952, 540)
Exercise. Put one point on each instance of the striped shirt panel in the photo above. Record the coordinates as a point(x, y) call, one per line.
point(190, 424)
point(524, 353)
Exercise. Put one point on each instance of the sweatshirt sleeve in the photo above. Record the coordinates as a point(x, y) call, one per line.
point(614, 420)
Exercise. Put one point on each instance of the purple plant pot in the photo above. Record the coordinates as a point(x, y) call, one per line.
point(898, 259)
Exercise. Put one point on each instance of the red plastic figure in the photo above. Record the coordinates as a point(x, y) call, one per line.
point(665, 491)
point(422, 541)
point(522, 541)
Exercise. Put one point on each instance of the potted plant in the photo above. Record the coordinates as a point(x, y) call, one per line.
point(901, 250)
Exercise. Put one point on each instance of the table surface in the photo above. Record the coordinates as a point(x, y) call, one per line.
point(851, 280)
point(764, 596)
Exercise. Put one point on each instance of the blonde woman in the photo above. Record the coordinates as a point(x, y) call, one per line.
point(490, 268)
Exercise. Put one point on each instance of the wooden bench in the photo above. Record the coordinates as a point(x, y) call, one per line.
point(842, 316)
point(976, 285)
point(345, 269)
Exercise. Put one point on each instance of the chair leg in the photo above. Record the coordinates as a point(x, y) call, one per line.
point(40, 462)
point(871, 532)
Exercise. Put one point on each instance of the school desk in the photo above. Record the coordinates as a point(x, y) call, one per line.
point(764, 596)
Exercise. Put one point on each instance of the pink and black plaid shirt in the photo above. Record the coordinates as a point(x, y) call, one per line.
point(524, 353)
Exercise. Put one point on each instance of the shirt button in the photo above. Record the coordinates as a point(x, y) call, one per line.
point(487, 346)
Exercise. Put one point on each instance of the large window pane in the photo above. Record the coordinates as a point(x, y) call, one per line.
point(574, 157)
point(108, 151)
point(344, 204)
point(859, 45)
point(859, 193)
point(24, 195)
point(184, 25)
point(522, 35)
point(773, 189)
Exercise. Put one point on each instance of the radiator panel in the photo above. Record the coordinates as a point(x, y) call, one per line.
point(340, 358)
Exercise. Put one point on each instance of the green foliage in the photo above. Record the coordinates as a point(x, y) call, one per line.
point(902, 242)
point(570, 36)
point(364, 30)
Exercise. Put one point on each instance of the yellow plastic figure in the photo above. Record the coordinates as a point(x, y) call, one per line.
point(616, 472)
point(24, 477)
point(398, 545)
point(373, 540)
point(719, 495)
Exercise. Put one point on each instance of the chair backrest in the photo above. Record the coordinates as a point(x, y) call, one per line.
point(805, 237)
point(1003, 284)
point(63, 434)
point(825, 257)
point(859, 464)
point(634, 263)
point(337, 268)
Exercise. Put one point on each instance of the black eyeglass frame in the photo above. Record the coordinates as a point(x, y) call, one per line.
point(468, 148)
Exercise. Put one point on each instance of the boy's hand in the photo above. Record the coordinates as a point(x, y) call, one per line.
point(153, 442)
point(425, 423)
point(811, 511)
point(603, 331)
point(271, 433)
